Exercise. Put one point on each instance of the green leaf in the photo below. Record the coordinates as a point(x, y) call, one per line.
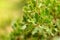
point(36, 17)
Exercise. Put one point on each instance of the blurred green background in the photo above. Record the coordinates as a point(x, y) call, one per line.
point(9, 12)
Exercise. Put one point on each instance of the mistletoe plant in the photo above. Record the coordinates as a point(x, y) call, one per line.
point(41, 21)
